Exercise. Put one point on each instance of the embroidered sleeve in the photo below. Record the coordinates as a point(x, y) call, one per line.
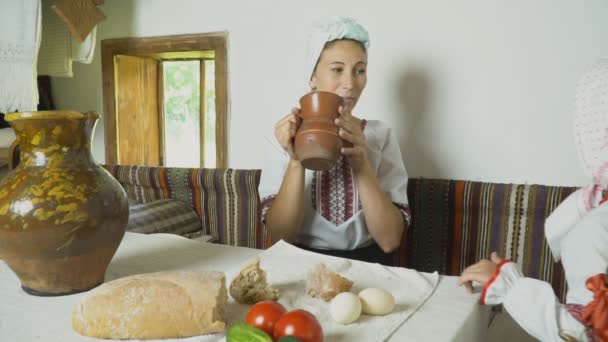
point(405, 212)
point(391, 172)
point(266, 203)
point(505, 276)
point(534, 306)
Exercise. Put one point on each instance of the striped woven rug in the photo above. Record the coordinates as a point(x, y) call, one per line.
point(457, 223)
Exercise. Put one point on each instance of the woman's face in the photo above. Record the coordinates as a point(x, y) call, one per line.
point(342, 70)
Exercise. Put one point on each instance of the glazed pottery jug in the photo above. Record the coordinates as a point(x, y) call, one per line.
point(317, 143)
point(62, 216)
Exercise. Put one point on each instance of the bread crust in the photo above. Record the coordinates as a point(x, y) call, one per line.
point(153, 306)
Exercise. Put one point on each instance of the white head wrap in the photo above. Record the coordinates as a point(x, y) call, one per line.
point(330, 29)
point(591, 137)
point(591, 123)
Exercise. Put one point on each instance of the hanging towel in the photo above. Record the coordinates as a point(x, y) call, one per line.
point(19, 43)
point(83, 52)
point(55, 46)
point(58, 48)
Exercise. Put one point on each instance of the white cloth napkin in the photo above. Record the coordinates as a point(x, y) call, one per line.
point(288, 266)
point(83, 52)
point(19, 42)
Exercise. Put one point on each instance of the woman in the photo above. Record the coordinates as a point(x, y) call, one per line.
point(358, 209)
point(577, 233)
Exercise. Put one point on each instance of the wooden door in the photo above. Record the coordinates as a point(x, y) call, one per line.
point(138, 138)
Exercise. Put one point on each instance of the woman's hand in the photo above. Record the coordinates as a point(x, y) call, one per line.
point(285, 131)
point(480, 272)
point(352, 132)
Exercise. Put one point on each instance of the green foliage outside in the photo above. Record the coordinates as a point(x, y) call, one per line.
point(182, 95)
point(182, 113)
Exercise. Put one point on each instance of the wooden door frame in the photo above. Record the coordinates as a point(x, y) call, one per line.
point(153, 45)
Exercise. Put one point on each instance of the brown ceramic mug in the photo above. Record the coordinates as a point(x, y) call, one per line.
point(317, 143)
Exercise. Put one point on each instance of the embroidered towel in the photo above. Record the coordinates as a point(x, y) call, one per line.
point(19, 43)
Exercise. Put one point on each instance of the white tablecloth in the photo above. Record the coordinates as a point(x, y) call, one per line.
point(450, 314)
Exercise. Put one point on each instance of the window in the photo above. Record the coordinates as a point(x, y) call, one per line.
point(165, 100)
point(189, 113)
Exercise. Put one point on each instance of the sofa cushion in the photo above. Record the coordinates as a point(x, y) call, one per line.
point(163, 216)
point(226, 200)
point(142, 183)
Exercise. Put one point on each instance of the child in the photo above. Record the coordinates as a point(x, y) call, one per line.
point(577, 234)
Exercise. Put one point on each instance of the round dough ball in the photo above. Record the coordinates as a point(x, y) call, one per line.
point(345, 308)
point(375, 301)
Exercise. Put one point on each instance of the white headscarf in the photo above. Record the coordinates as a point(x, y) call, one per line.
point(330, 29)
point(591, 129)
point(591, 137)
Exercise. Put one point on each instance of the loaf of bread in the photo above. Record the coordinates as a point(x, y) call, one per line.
point(154, 306)
point(325, 283)
point(249, 286)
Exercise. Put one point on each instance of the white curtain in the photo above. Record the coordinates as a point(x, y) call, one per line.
point(19, 42)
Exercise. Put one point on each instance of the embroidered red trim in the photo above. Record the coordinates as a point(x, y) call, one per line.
point(482, 300)
point(595, 313)
point(604, 197)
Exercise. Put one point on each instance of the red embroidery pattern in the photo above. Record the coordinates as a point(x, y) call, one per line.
point(266, 203)
point(576, 310)
point(334, 192)
point(604, 196)
point(405, 212)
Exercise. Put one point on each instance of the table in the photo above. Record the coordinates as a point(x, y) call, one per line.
point(450, 314)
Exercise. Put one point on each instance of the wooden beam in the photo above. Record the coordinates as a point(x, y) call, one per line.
point(161, 112)
point(202, 112)
point(109, 101)
point(221, 106)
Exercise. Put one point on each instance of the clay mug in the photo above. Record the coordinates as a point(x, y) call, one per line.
point(317, 142)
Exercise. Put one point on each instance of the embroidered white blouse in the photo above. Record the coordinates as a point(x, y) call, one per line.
point(334, 216)
point(583, 248)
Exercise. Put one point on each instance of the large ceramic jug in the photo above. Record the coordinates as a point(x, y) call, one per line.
point(62, 216)
point(317, 143)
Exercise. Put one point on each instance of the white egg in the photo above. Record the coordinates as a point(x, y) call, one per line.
point(345, 308)
point(375, 301)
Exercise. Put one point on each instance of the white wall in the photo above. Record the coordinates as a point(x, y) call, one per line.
point(476, 89)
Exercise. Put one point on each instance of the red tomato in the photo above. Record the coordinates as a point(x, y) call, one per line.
point(301, 324)
point(264, 315)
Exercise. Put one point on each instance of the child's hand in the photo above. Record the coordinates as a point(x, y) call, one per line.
point(481, 272)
